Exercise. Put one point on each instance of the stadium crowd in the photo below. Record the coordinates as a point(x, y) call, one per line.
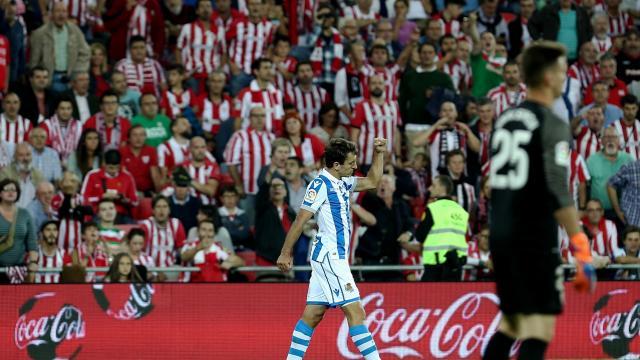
point(139, 133)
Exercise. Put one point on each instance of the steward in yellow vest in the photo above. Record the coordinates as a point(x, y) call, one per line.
point(441, 234)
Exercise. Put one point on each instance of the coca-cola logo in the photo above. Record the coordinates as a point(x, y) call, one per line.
point(42, 332)
point(615, 323)
point(138, 304)
point(460, 331)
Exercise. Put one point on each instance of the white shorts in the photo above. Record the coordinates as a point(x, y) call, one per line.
point(331, 283)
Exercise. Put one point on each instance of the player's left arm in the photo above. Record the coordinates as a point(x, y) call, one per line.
point(377, 167)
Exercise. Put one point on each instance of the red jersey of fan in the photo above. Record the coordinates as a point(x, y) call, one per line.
point(208, 260)
point(97, 182)
point(139, 166)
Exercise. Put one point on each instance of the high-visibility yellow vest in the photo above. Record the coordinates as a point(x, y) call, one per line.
point(450, 222)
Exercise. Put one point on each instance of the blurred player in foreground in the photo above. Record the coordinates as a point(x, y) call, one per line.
point(331, 283)
point(529, 198)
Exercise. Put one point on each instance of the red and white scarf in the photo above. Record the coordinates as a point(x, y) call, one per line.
point(65, 146)
point(140, 24)
point(317, 54)
point(101, 127)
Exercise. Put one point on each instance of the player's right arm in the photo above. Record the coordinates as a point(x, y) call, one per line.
point(285, 260)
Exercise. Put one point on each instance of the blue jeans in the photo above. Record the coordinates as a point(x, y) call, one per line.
point(59, 82)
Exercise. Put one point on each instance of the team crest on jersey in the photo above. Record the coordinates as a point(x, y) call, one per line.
point(348, 287)
point(562, 154)
point(310, 195)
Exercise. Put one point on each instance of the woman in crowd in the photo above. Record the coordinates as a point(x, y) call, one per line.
point(87, 156)
point(329, 126)
point(122, 270)
point(99, 70)
point(307, 146)
point(17, 236)
point(135, 245)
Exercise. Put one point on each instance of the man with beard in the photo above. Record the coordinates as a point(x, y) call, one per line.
point(49, 255)
point(511, 92)
point(375, 118)
point(305, 96)
point(204, 172)
point(587, 137)
point(21, 170)
point(603, 165)
point(141, 161)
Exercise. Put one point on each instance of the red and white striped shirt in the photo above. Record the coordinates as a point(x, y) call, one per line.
point(391, 75)
point(375, 121)
point(629, 137)
point(460, 74)
point(77, 9)
point(172, 154)
point(70, 229)
point(49, 262)
point(213, 114)
point(140, 23)
point(270, 99)
point(585, 74)
point(248, 42)
point(587, 142)
point(308, 103)
point(354, 12)
point(210, 170)
point(619, 23)
point(449, 27)
point(208, 261)
point(145, 77)
point(96, 259)
point(504, 99)
point(161, 243)
point(250, 150)
point(310, 150)
point(281, 83)
point(202, 49)
point(174, 104)
point(605, 237)
point(15, 131)
point(578, 174)
point(474, 257)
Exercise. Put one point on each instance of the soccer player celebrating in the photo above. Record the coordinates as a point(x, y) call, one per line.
point(331, 283)
point(530, 160)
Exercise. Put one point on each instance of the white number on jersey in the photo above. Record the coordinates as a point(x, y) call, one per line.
point(508, 147)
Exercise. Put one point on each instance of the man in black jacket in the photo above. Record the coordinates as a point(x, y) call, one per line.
point(545, 24)
point(519, 35)
point(38, 100)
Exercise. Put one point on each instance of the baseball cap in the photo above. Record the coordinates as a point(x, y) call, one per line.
point(181, 177)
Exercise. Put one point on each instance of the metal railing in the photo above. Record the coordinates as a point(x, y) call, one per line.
point(366, 268)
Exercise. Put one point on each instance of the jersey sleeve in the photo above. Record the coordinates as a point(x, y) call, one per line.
point(556, 158)
point(351, 183)
point(315, 196)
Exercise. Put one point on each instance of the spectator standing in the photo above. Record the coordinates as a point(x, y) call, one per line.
point(128, 19)
point(13, 127)
point(603, 165)
point(60, 47)
point(49, 255)
point(619, 20)
point(486, 63)
point(586, 69)
point(305, 96)
point(112, 128)
point(628, 69)
point(283, 63)
point(175, 151)
point(22, 171)
point(224, 15)
point(40, 208)
point(156, 125)
point(351, 81)
point(87, 156)
point(261, 91)
point(63, 132)
point(629, 127)
point(373, 118)
point(22, 246)
point(626, 182)
point(67, 204)
point(234, 219)
point(564, 22)
point(85, 104)
point(511, 92)
point(202, 44)
point(215, 107)
point(110, 182)
point(141, 161)
point(44, 159)
point(141, 72)
point(327, 56)
point(412, 98)
point(176, 14)
point(519, 35)
point(14, 29)
point(204, 171)
point(454, 63)
point(490, 20)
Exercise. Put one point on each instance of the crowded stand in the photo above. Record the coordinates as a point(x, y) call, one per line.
point(148, 134)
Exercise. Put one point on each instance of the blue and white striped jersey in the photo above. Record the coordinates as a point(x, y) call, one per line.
point(328, 198)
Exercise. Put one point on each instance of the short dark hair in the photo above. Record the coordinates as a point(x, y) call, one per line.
point(337, 151)
point(628, 99)
point(303, 63)
point(209, 221)
point(378, 46)
point(107, 94)
point(156, 199)
point(628, 230)
point(136, 38)
point(511, 63)
point(484, 101)
point(538, 58)
point(8, 181)
point(88, 225)
point(104, 201)
point(112, 157)
point(47, 223)
point(135, 232)
point(33, 70)
point(297, 160)
point(446, 182)
point(445, 36)
point(325, 108)
point(257, 63)
point(63, 98)
point(134, 127)
point(453, 153)
point(178, 67)
point(426, 44)
point(229, 189)
point(280, 38)
point(146, 93)
point(462, 3)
